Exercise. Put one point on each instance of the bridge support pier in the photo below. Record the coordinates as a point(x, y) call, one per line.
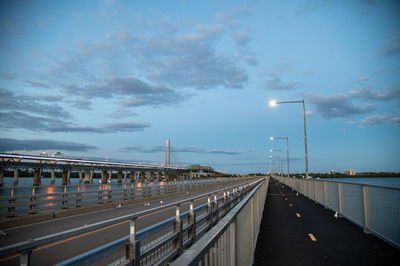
point(110, 176)
point(36, 176)
point(104, 176)
point(80, 176)
point(87, 177)
point(125, 176)
point(65, 177)
point(158, 176)
point(91, 176)
point(132, 177)
point(142, 176)
point(52, 176)
point(15, 175)
point(151, 176)
point(119, 177)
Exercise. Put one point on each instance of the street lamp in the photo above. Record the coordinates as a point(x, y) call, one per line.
point(287, 150)
point(273, 103)
point(281, 166)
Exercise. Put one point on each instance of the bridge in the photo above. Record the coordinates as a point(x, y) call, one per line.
point(87, 168)
point(269, 220)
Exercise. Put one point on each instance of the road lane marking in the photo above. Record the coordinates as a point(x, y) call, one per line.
point(285, 198)
point(290, 204)
point(312, 237)
point(298, 215)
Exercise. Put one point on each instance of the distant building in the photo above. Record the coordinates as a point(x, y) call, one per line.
point(332, 172)
point(350, 172)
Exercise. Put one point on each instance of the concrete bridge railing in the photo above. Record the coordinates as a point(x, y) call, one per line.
point(374, 208)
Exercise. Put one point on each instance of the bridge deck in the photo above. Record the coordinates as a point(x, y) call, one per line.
point(289, 219)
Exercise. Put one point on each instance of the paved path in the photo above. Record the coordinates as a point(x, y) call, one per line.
point(297, 231)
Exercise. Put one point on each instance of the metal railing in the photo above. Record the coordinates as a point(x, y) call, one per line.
point(84, 196)
point(233, 240)
point(375, 208)
point(147, 247)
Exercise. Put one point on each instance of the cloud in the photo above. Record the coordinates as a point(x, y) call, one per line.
point(389, 93)
point(361, 79)
point(11, 102)
point(121, 113)
point(226, 18)
point(240, 38)
point(339, 105)
point(380, 119)
point(251, 60)
point(391, 47)
point(14, 119)
point(133, 91)
point(274, 82)
point(9, 145)
point(181, 149)
point(243, 10)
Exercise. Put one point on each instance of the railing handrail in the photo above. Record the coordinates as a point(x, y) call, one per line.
point(26, 246)
point(343, 182)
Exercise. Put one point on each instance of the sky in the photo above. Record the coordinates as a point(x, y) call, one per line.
point(114, 79)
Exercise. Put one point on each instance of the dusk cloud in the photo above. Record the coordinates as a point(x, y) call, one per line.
point(332, 106)
point(391, 47)
point(240, 38)
point(389, 93)
point(274, 82)
point(9, 145)
point(11, 102)
point(181, 149)
point(380, 119)
point(19, 120)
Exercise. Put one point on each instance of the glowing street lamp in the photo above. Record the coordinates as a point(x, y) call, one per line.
point(273, 103)
point(287, 150)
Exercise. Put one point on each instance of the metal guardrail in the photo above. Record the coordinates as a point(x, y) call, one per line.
point(163, 248)
point(374, 208)
point(19, 205)
point(232, 241)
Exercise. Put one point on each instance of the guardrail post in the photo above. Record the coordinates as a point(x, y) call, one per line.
point(78, 198)
point(25, 258)
point(32, 205)
point(132, 192)
point(100, 196)
point(340, 198)
point(65, 198)
point(11, 202)
point(192, 222)
point(125, 193)
point(216, 209)
point(178, 229)
point(132, 251)
point(109, 196)
point(366, 208)
point(209, 212)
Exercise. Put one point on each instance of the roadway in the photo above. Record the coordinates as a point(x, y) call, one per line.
point(62, 250)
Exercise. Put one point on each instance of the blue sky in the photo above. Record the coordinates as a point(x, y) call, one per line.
point(115, 78)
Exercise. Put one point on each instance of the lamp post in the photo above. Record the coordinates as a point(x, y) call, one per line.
point(287, 150)
point(274, 103)
point(281, 166)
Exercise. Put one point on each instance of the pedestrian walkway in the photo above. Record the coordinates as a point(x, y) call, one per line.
point(297, 231)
